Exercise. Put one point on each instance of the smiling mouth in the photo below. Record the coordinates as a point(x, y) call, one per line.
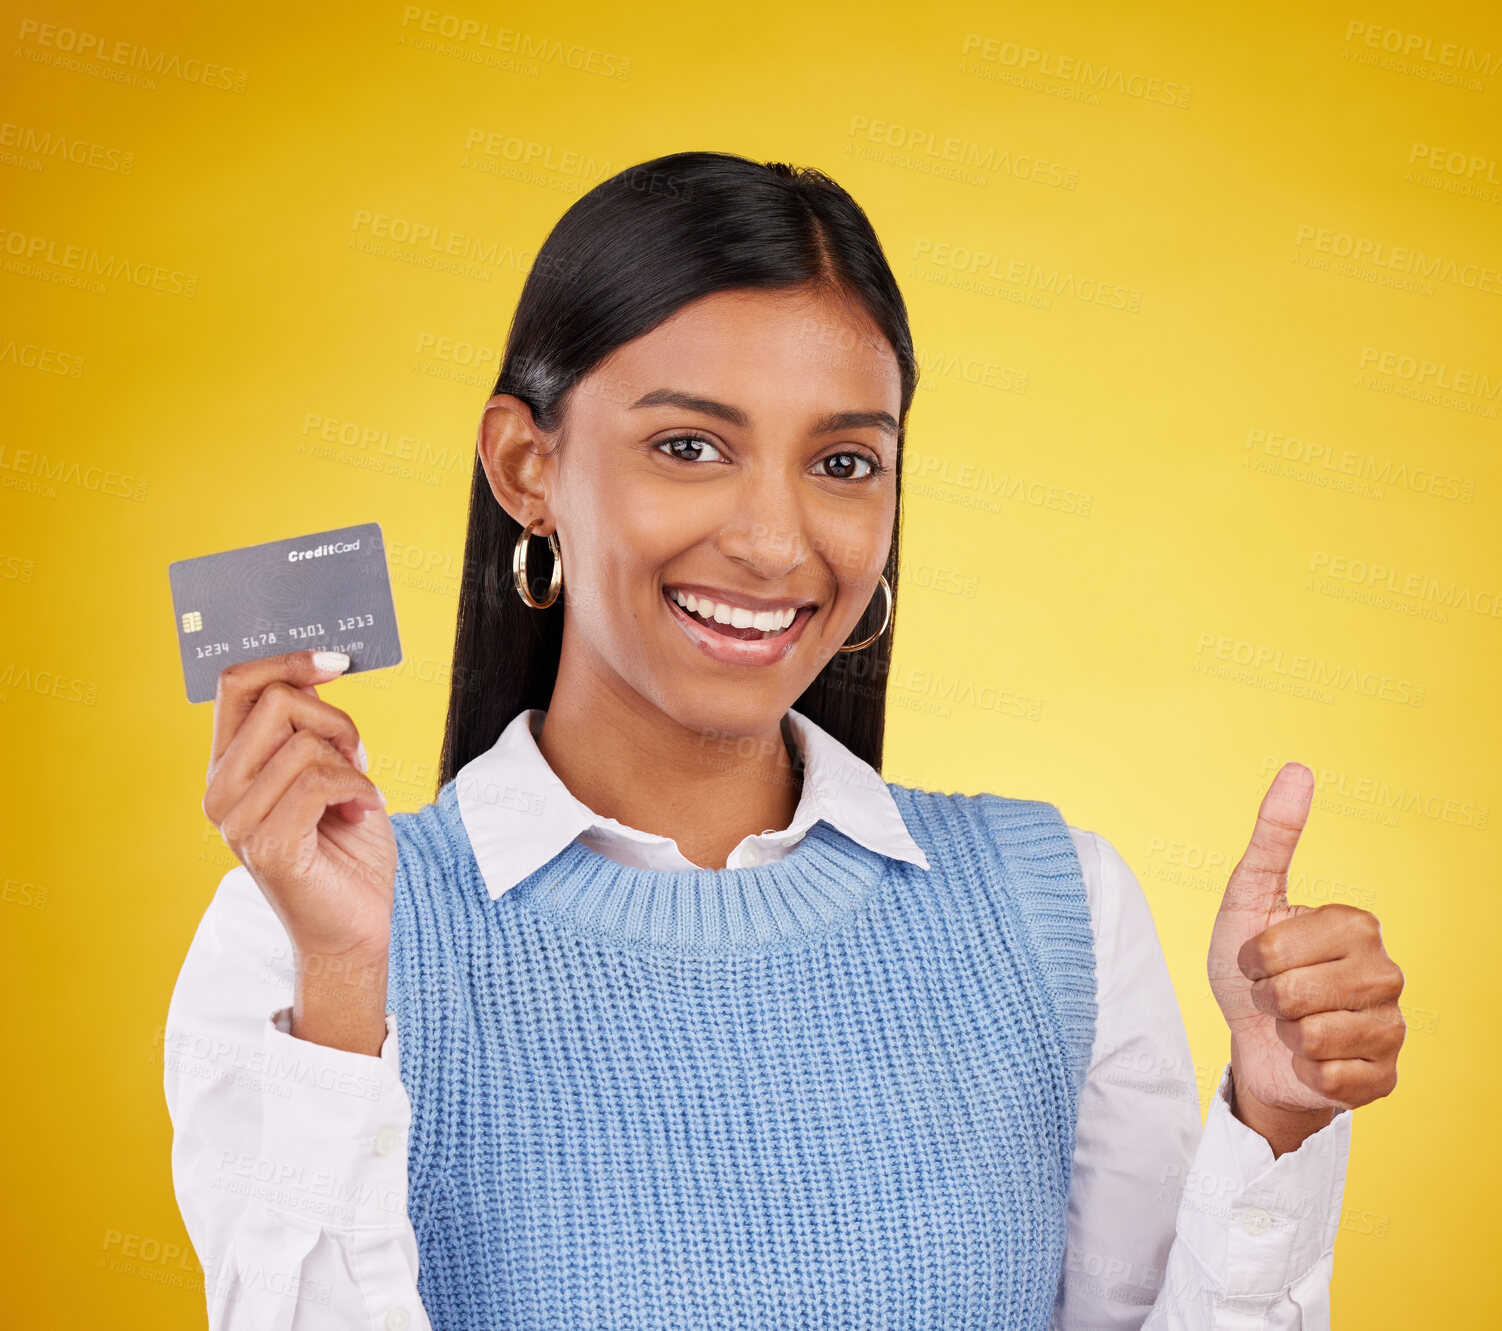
point(744, 633)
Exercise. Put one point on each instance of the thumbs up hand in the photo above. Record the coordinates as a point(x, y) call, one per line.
point(1309, 993)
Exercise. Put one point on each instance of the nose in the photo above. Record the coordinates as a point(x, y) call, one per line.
point(765, 532)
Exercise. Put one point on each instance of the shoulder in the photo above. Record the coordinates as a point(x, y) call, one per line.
point(1009, 821)
point(1023, 847)
point(1009, 825)
point(429, 840)
point(438, 879)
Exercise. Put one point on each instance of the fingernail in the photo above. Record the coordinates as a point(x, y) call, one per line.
point(382, 794)
point(330, 661)
point(361, 761)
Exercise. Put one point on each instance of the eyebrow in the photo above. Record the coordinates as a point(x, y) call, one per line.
point(829, 424)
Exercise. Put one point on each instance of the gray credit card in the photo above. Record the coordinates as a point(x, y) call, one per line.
point(330, 591)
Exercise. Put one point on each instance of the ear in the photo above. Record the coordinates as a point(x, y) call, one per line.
point(518, 460)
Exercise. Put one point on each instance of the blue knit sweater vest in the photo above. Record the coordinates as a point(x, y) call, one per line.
point(833, 1091)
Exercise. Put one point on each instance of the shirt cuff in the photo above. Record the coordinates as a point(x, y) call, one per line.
point(333, 1147)
point(1258, 1224)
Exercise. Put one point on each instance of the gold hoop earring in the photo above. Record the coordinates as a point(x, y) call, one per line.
point(519, 568)
point(886, 619)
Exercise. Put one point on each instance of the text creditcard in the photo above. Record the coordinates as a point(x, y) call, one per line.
point(330, 591)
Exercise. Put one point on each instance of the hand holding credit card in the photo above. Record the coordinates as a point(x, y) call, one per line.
point(327, 591)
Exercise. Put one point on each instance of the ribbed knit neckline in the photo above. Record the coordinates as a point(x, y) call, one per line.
point(821, 882)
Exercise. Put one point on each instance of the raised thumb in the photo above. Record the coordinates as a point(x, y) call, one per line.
point(1260, 880)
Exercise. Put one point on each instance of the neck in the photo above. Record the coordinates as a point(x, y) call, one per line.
point(706, 787)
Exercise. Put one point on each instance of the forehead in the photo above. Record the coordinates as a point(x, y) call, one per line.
point(791, 345)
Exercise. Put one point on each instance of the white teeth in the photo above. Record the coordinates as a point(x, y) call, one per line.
point(768, 621)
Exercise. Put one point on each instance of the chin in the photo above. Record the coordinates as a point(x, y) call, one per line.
point(724, 717)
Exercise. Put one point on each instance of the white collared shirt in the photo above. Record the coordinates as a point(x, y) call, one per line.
point(290, 1158)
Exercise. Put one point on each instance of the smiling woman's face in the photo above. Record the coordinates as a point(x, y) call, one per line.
point(744, 454)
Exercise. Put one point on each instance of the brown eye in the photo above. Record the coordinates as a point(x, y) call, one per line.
point(844, 462)
point(697, 442)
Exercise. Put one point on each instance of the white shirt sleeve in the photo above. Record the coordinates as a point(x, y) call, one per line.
point(1174, 1227)
point(289, 1158)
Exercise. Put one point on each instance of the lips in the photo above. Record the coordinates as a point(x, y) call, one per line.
point(738, 646)
point(746, 633)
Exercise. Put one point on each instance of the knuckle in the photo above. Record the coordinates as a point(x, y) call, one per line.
point(1317, 1075)
point(347, 736)
point(322, 778)
point(251, 849)
point(279, 691)
point(1398, 1032)
point(1278, 994)
point(1329, 1079)
point(1394, 1025)
point(1266, 996)
point(308, 745)
point(1293, 1034)
point(228, 681)
point(1314, 1035)
point(216, 802)
point(1265, 993)
point(233, 835)
point(315, 777)
point(1353, 916)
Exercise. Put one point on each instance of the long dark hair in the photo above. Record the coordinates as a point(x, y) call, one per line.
point(625, 257)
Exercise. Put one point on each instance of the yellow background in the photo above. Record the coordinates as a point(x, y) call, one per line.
point(1105, 627)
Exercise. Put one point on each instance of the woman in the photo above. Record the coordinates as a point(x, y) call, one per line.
point(670, 1010)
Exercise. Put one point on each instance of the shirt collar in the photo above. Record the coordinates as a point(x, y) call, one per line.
point(518, 815)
